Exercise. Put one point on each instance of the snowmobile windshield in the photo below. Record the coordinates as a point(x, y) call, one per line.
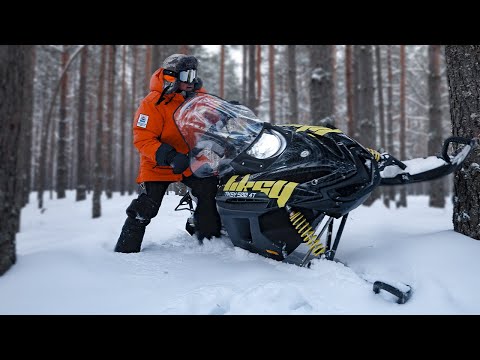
point(216, 131)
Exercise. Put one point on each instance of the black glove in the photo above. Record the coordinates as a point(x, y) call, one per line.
point(166, 155)
point(198, 83)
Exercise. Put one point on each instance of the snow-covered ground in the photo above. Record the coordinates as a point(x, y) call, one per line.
point(66, 265)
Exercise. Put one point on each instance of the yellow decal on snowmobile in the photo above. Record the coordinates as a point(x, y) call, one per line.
point(280, 189)
point(319, 130)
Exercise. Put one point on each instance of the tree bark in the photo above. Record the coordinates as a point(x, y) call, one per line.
point(403, 154)
point(222, 71)
point(133, 153)
point(322, 96)
point(244, 73)
point(15, 64)
point(349, 90)
point(148, 66)
point(82, 170)
point(292, 84)
point(27, 123)
point(251, 79)
point(258, 75)
point(435, 138)
point(109, 131)
point(381, 112)
point(123, 122)
point(364, 109)
point(62, 132)
point(99, 166)
point(157, 58)
point(463, 74)
point(390, 147)
point(271, 77)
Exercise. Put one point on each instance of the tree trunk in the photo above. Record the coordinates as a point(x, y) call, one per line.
point(390, 147)
point(244, 73)
point(271, 78)
point(132, 153)
point(222, 71)
point(123, 122)
point(81, 151)
point(251, 78)
point(381, 112)
point(322, 97)
point(258, 75)
point(463, 73)
point(148, 66)
point(334, 85)
point(435, 138)
point(99, 165)
point(109, 131)
point(349, 90)
point(62, 161)
point(403, 154)
point(292, 84)
point(364, 110)
point(157, 58)
point(27, 123)
point(91, 137)
point(15, 64)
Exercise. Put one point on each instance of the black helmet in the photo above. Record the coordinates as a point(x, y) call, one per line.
point(177, 66)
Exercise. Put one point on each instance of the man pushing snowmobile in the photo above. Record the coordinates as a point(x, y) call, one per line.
point(284, 185)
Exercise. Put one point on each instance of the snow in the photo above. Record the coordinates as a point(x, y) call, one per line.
point(66, 265)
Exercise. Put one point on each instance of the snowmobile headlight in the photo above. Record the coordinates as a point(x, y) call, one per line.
point(271, 143)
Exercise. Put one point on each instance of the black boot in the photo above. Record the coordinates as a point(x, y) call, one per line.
point(207, 224)
point(131, 237)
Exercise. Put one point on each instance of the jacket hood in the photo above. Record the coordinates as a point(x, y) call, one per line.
point(156, 80)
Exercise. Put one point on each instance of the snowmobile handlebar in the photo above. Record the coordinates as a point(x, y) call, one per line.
point(457, 140)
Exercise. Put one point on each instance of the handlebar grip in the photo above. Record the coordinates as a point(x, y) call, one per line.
point(453, 139)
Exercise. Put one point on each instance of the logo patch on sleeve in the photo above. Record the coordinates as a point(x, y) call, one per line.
point(142, 120)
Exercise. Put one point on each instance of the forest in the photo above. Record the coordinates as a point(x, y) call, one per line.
point(67, 112)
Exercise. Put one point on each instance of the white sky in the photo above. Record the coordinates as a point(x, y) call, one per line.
point(66, 265)
point(213, 48)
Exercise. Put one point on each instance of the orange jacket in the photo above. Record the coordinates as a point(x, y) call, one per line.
point(154, 125)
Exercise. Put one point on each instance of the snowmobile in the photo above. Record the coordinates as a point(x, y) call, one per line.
point(282, 186)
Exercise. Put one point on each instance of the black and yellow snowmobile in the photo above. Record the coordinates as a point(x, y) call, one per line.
point(282, 186)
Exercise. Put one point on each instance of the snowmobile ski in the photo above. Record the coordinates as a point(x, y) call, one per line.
point(403, 296)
